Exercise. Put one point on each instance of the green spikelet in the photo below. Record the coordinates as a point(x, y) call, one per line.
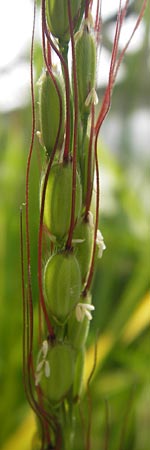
point(57, 17)
point(50, 110)
point(58, 199)
point(62, 284)
point(61, 365)
point(78, 330)
point(83, 244)
point(86, 68)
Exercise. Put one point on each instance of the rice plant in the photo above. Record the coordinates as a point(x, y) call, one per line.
point(57, 323)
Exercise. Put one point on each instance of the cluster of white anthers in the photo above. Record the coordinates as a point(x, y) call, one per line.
point(83, 310)
point(100, 244)
point(99, 238)
point(42, 363)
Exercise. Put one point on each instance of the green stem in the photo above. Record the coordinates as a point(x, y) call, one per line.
point(69, 428)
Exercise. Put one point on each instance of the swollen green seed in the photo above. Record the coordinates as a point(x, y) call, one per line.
point(78, 376)
point(57, 17)
point(58, 200)
point(83, 244)
point(62, 283)
point(86, 68)
point(61, 362)
point(50, 111)
point(78, 331)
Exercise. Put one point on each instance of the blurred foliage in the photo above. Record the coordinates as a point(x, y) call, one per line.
point(120, 389)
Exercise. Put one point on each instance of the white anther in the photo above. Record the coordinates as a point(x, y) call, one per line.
point(45, 348)
point(47, 369)
point(40, 366)
point(100, 243)
point(82, 310)
point(42, 363)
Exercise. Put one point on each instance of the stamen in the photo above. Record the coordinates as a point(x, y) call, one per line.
point(100, 243)
point(39, 366)
point(82, 310)
point(43, 365)
point(45, 348)
point(88, 314)
point(47, 369)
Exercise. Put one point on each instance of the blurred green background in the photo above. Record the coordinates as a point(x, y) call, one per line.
point(121, 384)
